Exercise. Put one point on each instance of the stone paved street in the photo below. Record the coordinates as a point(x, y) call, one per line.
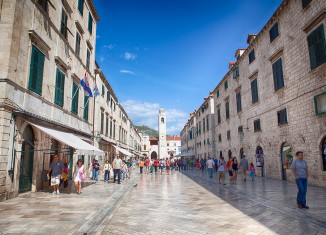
point(191, 203)
point(182, 203)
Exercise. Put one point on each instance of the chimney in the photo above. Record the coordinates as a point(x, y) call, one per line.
point(250, 38)
point(231, 64)
point(238, 53)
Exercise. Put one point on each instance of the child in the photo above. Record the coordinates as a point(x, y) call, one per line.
point(252, 171)
point(151, 168)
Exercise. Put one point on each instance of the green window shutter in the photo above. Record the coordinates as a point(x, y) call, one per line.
point(236, 72)
point(108, 96)
point(107, 125)
point(90, 23)
point(226, 85)
point(218, 93)
point(81, 6)
point(103, 90)
point(85, 114)
point(252, 56)
point(254, 91)
point(278, 74)
point(78, 39)
point(102, 122)
point(273, 32)
point(219, 116)
point(305, 3)
point(59, 88)
point(227, 110)
point(64, 25)
point(74, 102)
point(88, 55)
point(317, 47)
point(36, 71)
point(238, 100)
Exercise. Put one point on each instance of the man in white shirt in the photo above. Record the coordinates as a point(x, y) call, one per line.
point(117, 164)
point(210, 164)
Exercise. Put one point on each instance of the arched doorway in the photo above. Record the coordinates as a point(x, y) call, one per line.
point(260, 159)
point(323, 153)
point(286, 159)
point(26, 161)
point(154, 155)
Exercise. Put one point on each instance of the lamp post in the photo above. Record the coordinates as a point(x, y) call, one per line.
point(96, 71)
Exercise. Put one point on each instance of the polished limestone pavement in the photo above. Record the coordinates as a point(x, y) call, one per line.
point(186, 202)
point(191, 203)
point(66, 213)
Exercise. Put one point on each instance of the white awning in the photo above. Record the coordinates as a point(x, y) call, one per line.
point(81, 147)
point(187, 155)
point(125, 152)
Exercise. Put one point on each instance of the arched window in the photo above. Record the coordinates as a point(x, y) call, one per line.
point(162, 120)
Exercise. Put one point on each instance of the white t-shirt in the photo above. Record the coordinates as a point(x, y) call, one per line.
point(210, 163)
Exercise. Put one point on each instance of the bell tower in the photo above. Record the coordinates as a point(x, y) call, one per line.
point(162, 153)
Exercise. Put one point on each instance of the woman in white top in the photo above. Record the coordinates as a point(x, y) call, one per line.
point(79, 175)
point(107, 169)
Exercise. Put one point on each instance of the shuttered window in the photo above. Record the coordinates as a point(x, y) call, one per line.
point(64, 23)
point(219, 138)
point(81, 6)
point(226, 85)
point(282, 117)
point(278, 74)
point(108, 96)
point(86, 105)
point(305, 3)
point(36, 71)
point(59, 88)
point(43, 4)
point(88, 58)
point(103, 90)
point(238, 100)
point(317, 47)
point(257, 125)
point(102, 122)
point(107, 125)
point(273, 32)
point(217, 93)
point(90, 23)
point(77, 47)
point(236, 72)
point(228, 135)
point(252, 56)
point(227, 110)
point(254, 91)
point(218, 115)
point(74, 101)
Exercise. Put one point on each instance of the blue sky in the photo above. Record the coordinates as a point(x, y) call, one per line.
point(171, 53)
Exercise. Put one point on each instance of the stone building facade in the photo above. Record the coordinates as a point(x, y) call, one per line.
point(272, 101)
point(47, 48)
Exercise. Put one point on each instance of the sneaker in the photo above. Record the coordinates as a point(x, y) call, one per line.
point(54, 193)
point(306, 207)
point(300, 206)
point(58, 192)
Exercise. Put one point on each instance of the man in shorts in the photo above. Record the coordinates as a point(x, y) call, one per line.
point(56, 167)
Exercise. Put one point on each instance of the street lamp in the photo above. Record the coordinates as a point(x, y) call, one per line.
point(98, 137)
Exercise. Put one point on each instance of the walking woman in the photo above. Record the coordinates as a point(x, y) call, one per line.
point(79, 175)
point(235, 167)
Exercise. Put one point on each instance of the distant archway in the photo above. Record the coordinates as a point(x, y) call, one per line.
point(154, 155)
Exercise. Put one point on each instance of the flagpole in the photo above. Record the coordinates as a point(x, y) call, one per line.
point(96, 71)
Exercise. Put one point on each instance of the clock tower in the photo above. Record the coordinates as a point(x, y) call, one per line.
point(162, 153)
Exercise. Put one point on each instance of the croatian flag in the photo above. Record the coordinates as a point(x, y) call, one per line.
point(84, 83)
point(96, 91)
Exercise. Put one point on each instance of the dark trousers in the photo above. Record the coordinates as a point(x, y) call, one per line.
point(155, 168)
point(117, 172)
point(141, 170)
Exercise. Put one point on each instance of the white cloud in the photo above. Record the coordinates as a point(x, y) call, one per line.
point(129, 56)
point(144, 113)
point(110, 46)
point(127, 72)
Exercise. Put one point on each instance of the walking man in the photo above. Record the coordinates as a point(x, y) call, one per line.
point(56, 167)
point(117, 164)
point(300, 171)
point(210, 164)
point(244, 167)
